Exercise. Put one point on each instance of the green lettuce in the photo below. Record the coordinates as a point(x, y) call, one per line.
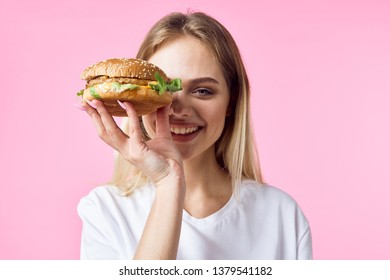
point(162, 86)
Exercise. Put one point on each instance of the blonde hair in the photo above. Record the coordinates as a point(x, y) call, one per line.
point(235, 150)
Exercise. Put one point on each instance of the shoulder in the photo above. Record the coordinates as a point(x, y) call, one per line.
point(272, 201)
point(97, 201)
point(108, 199)
point(102, 192)
point(102, 195)
point(276, 212)
point(266, 193)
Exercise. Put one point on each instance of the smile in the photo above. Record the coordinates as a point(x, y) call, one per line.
point(184, 130)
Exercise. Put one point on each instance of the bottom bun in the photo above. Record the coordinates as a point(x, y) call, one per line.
point(144, 100)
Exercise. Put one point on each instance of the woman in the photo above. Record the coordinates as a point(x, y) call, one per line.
point(187, 183)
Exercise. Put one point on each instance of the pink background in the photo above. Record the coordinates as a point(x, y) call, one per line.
point(321, 94)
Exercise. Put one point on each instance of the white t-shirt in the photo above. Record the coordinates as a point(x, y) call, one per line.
point(266, 223)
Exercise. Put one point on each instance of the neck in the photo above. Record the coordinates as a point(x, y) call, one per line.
point(206, 178)
point(208, 186)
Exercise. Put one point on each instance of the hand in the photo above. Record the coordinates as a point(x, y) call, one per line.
point(158, 159)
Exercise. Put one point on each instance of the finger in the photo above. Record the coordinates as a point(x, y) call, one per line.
point(112, 130)
point(80, 107)
point(162, 123)
point(96, 119)
point(106, 117)
point(133, 123)
point(137, 149)
point(100, 126)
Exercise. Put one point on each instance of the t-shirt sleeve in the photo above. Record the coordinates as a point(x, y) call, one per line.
point(97, 239)
point(304, 250)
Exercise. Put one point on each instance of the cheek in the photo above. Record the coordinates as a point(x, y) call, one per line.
point(216, 121)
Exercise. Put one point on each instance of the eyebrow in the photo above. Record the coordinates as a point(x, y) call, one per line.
point(204, 80)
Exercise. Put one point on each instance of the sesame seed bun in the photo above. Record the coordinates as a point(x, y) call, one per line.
point(123, 67)
point(105, 79)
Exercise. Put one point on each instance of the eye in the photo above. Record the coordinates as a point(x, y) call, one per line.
point(202, 92)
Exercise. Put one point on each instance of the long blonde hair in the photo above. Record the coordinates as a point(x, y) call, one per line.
point(235, 150)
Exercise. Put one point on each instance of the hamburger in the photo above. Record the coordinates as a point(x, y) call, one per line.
point(137, 81)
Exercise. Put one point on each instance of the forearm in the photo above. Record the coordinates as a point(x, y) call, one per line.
point(160, 238)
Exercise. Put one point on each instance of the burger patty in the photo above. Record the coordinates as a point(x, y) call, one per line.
point(121, 80)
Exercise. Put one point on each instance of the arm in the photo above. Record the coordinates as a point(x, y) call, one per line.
point(160, 238)
point(161, 162)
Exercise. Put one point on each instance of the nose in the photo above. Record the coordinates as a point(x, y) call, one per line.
point(181, 104)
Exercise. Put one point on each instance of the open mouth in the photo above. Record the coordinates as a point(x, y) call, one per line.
point(184, 130)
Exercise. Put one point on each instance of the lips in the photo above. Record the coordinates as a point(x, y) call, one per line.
point(184, 130)
point(184, 133)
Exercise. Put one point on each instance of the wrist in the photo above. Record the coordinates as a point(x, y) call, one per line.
point(172, 185)
point(171, 190)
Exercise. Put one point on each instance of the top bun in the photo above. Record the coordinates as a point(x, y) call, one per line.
point(123, 67)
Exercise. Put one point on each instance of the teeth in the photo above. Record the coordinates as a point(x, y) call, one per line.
point(184, 130)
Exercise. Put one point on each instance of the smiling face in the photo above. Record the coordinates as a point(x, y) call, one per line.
point(198, 112)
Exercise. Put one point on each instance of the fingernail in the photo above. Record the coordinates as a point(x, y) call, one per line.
point(122, 104)
point(90, 103)
point(78, 106)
